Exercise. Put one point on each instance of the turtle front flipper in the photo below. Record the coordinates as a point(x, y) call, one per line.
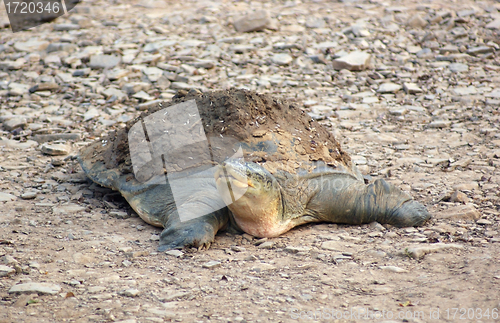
point(198, 233)
point(189, 209)
point(343, 199)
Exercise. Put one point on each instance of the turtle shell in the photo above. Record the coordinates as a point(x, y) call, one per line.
point(270, 131)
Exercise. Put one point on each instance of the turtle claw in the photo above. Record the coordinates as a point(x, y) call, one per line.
point(197, 235)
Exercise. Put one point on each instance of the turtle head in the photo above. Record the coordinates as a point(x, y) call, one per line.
point(254, 197)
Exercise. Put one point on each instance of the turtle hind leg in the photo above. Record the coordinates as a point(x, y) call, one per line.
point(410, 214)
point(354, 202)
point(395, 207)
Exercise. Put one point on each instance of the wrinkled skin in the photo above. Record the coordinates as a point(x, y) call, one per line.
point(270, 205)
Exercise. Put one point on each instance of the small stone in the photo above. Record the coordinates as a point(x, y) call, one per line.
point(211, 264)
point(494, 24)
point(132, 88)
point(14, 123)
point(462, 90)
point(6, 197)
point(13, 65)
point(16, 89)
point(282, 59)
point(266, 245)
point(18, 144)
point(293, 249)
point(117, 74)
point(398, 111)
point(474, 51)
point(41, 288)
point(175, 253)
point(460, 197)
point(67, 209)
point(439, 124)
point(142, 96)
point(355, 61)
point(57, 136)
point(111, 91)
point(411, 88)
point(153, 73)
point(6, 271)
point(55, 149)
point(393, 269)
point(238, 248)
point(259, 20)
point(458, 67)
point(50, 86)
point(466, 186)
point(377, 226)
point(484, 222)
point(104, 61)
point(31, 45)
point(130, 292)
point(29, 195)
point(417, 21)
point(91, 113)
point(420, 251)
point(389, 87)
point(65, 27)
point(464, 212)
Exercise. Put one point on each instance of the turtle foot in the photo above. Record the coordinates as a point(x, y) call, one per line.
point(198, 235)
point(410, 214)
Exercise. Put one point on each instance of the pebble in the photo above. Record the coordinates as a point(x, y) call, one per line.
point(130, 292)
point(464, 212)
point(104, 61)
point(68, 208)
point(256, 21)
point(29, 195)
point(460, 197)
point(40, 288)
point(266, 245)
point(494, 24)
point(211, 264)
point(389, 88)
point(6, 197)
point(175, 253)
point(411, 88)
point(293, 249)
point(65, 27)
point(479, 50)
point(417, 21)
point(282, 59)
point(420, 251)
point(6, 271)
point(393, 269)
point(462, 90)
point(18, 144)
point(32, 45)
point(57, 136)
point(439, 124)
point(484, 222)
point(49, 86)
point(354, 61)
point(111, 91)
point(458, 67)
point(55, 149)
point(15, 122)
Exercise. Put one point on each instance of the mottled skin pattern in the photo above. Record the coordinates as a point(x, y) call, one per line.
point(272, 204)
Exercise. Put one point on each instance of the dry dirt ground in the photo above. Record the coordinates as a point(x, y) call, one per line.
point(419, 106)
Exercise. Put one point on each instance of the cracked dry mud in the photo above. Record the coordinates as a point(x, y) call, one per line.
point(410, 90)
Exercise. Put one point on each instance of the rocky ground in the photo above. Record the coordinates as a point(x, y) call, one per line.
point(411, 89)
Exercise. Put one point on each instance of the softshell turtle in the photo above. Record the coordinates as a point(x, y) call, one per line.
point(256, 164)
